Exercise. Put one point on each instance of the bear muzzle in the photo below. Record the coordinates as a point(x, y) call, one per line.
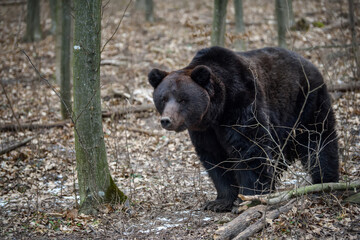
point(170, 124)
point(165, 122)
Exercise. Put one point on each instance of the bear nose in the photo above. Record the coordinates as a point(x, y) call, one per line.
point(165, 122)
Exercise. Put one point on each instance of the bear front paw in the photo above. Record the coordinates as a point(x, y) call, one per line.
point(219, 205)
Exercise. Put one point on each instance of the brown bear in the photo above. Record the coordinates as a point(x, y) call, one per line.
point(249, 115)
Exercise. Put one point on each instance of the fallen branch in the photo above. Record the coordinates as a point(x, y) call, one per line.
point(32, 126)
point(240, 223)
point(16, 145)
point(132, 109)
point(345, 87)
point(276, 198)
point(261, 223)
point(113, 62)
point(142, 131)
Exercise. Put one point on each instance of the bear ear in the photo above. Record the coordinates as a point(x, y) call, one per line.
point(201, 75)
point(155, 76)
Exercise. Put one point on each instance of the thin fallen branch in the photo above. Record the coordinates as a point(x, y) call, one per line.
point(345, 87)
point(31, 126)
point(261, 223)
point(276, 198)
point(142, 131)
point(132, 109)
point(115, 113)
point(240, 223)
point(113, 62)
point(16, 145)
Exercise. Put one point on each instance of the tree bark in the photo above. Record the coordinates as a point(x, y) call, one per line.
point(353, 39)
point(219, 23)
point(96, 185)
point(149, 11)
point(65, 84)
point(239, 24)
point(280, 9)
point(58, 38)
point(33, 28)
point(289, 14)
point(53, 16)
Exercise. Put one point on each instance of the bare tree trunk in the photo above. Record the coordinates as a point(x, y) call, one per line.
point(353, 38)
point(53, 16)
point(65, 86)
point(33, 28)
point(280, 9)
point(96, 185)
point(289, 14)
point(239, 24)
point(149, 11)
point(219, 23)
point(58, 34)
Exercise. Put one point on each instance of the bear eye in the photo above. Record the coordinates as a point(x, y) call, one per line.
point(182, 100)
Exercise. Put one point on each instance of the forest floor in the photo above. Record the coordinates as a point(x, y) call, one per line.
point(158, 170)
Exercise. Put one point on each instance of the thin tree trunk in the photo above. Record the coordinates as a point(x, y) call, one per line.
point(280, 9)
point(58, 38)
point(353, 38)
point(33, 28)
point(53, 16)
point(289, 14)
point(65, 87)
point(219, 23)
point(96, 185)
point(149, 11)
point(239, 24)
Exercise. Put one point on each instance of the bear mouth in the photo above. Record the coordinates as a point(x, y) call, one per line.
point(181, 128)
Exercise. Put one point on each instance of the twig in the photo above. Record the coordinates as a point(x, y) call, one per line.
point(117, 27)
point(11, 107)
point(261, 223)
point(15, 146)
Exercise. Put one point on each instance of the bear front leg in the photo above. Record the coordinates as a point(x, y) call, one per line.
point(224, 181)
point(214, 159)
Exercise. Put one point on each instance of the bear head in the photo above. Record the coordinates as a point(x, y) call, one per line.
point(182, 97)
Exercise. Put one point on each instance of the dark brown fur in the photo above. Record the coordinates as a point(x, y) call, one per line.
point(248, 115)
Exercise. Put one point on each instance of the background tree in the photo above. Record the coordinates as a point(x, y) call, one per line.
point(280, 11)
point(52, 4)
point(149, 10)
point(219, 23)
point(239, 24)
point(65, 84)
point(33, 28)
point(148, 7)
point(354, 43)
point(96, 185)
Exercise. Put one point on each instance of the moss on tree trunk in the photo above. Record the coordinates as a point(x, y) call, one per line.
point(95, 183)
